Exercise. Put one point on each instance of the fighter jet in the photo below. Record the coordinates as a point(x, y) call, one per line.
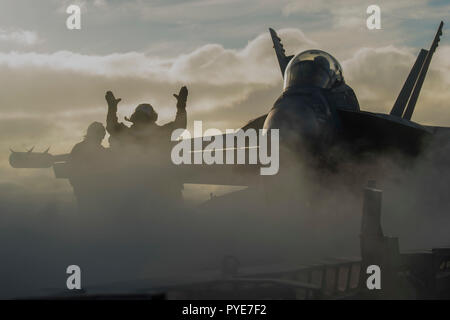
point(316, 111)
point(317, 108)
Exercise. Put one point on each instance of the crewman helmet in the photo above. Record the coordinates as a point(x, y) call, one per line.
point(143, 113)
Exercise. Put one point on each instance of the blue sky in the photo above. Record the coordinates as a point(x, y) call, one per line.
point(172, 27)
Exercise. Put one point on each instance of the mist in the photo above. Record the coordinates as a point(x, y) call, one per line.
point(133, 237)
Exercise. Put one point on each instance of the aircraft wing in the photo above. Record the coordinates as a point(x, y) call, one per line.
point(383, 131)
point(30, 159)
point(226, 174)
point(218, 174)
point(444, 131)
point(441, 136)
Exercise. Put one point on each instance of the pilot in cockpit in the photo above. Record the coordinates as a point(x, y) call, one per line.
point(313, 68)
point(319, 69)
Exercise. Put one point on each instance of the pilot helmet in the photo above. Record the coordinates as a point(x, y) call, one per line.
point(313, 68)
point(143, 113)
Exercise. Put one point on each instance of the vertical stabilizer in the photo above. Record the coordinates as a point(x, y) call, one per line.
point(400, 104)
point(407, 98)
point(415, 95)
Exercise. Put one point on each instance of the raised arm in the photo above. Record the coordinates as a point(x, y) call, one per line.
point(112, 124)
point(180, 121)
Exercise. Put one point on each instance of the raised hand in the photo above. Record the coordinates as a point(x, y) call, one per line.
point(112, 101)
point(181, 97)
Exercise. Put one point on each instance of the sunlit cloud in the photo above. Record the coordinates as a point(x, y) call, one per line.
point(21, 37)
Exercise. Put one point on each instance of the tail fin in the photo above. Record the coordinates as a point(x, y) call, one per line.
point(415, 80)
point(283, 60)
point(415, 95)
point(408, 86)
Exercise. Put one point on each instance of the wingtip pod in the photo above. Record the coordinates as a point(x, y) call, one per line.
point(283, 60)
point(30, 159)
point(13, 159)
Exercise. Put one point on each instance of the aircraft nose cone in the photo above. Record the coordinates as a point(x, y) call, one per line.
point(297, 124)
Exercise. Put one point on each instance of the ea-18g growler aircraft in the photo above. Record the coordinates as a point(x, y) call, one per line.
point(318, 108)
point(318, 116)
point(317, 112)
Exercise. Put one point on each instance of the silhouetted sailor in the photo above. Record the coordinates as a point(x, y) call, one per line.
point(86, 159)
point(144, 130)
point(90, 147)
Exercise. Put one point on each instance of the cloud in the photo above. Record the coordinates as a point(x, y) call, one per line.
point(377, 75)
point(64, 81)
point(50, 99)
point(255, 64)
point(293, 7)
point(62, 5)
point(211, 63)
point(187, 12)
point(100, 3)
point(21, 37)
point(352, 13)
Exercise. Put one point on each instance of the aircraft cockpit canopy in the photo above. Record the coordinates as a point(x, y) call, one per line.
point(313, 68)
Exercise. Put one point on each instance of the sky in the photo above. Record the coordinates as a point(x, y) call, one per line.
point(53, 80)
